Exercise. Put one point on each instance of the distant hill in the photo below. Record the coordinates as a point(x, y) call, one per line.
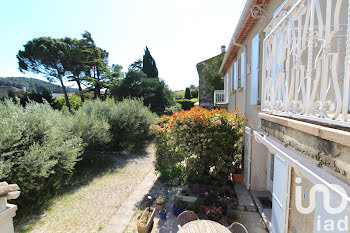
point(33, 84)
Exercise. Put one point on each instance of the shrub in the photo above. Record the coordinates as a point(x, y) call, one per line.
point(109, 124)
point(37, 147)
point(74, 100)
point(187, 104)
point(198, 145)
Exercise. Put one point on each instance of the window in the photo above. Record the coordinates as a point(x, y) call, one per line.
point(254, 87)
point(242, 69)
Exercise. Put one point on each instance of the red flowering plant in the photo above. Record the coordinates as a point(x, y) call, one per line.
point(198, 145)
point(214, 214)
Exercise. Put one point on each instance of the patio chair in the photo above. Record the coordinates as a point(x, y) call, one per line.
point(237, 227)
point(185, 217)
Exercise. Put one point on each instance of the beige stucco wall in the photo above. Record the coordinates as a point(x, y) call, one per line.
point(298, 222)
point(236, 99)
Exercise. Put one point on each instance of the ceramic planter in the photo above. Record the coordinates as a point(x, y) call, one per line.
point(178, 211)
point(145, 228)
point(162, 215)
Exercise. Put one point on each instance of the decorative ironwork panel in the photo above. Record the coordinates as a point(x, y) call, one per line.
point(305, 71)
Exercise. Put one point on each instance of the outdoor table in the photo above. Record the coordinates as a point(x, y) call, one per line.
point(203, 226)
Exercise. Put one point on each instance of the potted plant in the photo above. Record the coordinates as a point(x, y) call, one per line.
point(237, 176)
point(162, 213)
point(178, 206)
point(214, 214)
point(231, 217)
point(160, 202)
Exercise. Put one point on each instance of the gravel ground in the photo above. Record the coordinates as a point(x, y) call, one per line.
point(90, 206)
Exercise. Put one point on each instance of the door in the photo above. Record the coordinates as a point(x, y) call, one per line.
point(247, 157)
point(270, 173)
point(280, 195)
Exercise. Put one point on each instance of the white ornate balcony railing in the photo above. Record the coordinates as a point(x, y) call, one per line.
point(306, 61)
point(219, 97)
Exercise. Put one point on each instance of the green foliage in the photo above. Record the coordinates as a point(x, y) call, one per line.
point(179, 95)
point(170, 110)
point(46, 56)
point(187, 104)
point(198, 145)
point(154, 92)
point(187, 93)
point(38, 148)
point(33, 84)
point(74, 100)
point(194, 92)
point(149, 66)
point(209, 71)
point(113, 124)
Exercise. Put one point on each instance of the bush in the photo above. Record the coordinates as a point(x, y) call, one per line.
point(38, 148)
point(74, 100)
point(198, 145)
point(109, 124)
point(187, 104)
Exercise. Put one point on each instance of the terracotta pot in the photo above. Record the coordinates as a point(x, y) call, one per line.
point(159, 207)
point(145, 228)
point(237, 178)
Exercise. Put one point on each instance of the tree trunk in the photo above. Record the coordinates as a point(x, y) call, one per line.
point(64, 92)
point(106, 93)
point(80, 91)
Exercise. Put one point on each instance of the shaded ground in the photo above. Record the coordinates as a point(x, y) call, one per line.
point(102, 182)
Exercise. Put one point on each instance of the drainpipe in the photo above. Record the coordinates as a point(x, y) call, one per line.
point(245, 78)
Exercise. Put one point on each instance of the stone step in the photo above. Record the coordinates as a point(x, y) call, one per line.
point(245, 200)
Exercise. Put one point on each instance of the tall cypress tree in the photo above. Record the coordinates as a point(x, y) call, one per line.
point(149, 65)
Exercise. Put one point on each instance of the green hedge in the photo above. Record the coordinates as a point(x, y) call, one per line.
point(187, 104)
point(38, 148)
point(107, 124)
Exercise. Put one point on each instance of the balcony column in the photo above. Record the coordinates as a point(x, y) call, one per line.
point(7, 211)
point(345, 108)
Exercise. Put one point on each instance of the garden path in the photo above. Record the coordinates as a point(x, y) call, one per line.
point(88, 207)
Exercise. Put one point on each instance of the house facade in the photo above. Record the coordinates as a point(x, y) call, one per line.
point(287, 68)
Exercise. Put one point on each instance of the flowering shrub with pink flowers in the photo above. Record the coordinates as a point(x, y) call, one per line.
point(214, 214)
point(198, 145)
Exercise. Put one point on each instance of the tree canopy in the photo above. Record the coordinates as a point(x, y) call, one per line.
point(154, 92)
point(47, 56)
point(149, 66)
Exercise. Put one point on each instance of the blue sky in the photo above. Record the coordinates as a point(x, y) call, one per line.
point(178, 33)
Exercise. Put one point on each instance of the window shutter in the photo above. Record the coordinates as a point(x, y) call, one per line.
point(254, 87)
point(236, 75)
point(242, 69)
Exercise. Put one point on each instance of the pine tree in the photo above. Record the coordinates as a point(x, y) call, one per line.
point(149, 65)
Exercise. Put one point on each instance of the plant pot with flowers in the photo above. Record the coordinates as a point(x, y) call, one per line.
point(160, 202)
point(178, 206)
point(146, 220)
point(214, 214)
point(237, 175)
point(162, 213)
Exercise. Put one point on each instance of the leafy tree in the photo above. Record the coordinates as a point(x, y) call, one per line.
point(136, 65)
point(187, 93)
point(149, 65)
point(194, 92)
point(47, 56)
point(154, 92)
